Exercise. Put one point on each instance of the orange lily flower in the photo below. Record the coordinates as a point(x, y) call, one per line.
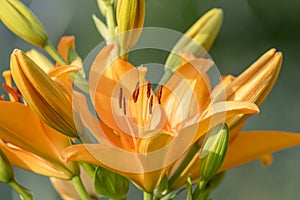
point(253, 85)
point(31, 144)
point(145, 133)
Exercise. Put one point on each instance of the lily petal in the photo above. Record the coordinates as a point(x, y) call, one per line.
point(29, 133)
point(64, 45)
point(90, 153)
point(222, 112)
point(107, 71)
point(188, 90)
point(31, 162)
point(251, 145)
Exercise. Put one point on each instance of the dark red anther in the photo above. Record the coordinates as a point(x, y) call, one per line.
point(136, 92)
point(159, 93)
point(124, 106)
point(120, 98)
point(148, 89)
point(151, 105)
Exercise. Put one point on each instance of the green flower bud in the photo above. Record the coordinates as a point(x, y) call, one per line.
point(6, 171)
point(213, 151)
point(22, 22)
point(203, 33)
point(130, 15)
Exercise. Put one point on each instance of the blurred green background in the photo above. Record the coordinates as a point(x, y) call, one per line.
point(250, 28)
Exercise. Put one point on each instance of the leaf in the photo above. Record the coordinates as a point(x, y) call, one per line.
point(110, 184)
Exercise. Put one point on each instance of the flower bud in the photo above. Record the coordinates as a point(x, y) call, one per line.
point(22, 22)
point(213, 151)
point(255, 83)
point(42, 94)
point(130, 15)
point(202, 34)
point(41, 60)
point(6, 171)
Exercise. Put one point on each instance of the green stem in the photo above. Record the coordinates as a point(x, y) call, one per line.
point(53, 53)
point(148, 195)
point(80, 188)
point(197, 192)
point(89, 168)
point(110, 20)
point(193, 150)
point(22, 191)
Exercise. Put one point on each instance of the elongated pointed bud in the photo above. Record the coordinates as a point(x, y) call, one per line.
point(213, 152)
point(42, 94)
point(255, 83)
point(130, 15)
point(22, 22)
point(101, 27)
point(6, 170)
point(198, 38)
point(40, 60)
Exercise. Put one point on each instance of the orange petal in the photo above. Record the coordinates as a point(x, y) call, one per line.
point(21, 127)
point(255, 83)
point(105, 73)
point(102, 133)
point(251, 145)
point(126, 164)
point(64, 45)
point(30, 161)
point(222, 111)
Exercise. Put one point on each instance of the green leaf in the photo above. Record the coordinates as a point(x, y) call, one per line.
point(110, 184)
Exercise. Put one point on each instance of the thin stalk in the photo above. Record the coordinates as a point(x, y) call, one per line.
point(22, 191)
point(76, 180)
point(148, 195)
point(53, 53)
point(110, 20)
point(197, 192)
point(89, 168)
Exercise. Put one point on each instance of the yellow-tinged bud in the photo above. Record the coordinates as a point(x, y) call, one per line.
point(6, 171)
point(213, 152)
point(255, 83)
point(40, 60)
point(102, 4)
point(42, 94)
point(130, 15)
point(21, 21)
point(203, 33)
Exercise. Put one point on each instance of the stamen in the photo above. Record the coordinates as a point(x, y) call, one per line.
point(148, 89)
point(14, 92)
point(120, 98)
point(151, 105)
point(124, 106)
point(8, 80)
point(159, 93)
point(7, 76)
point(136, 92)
